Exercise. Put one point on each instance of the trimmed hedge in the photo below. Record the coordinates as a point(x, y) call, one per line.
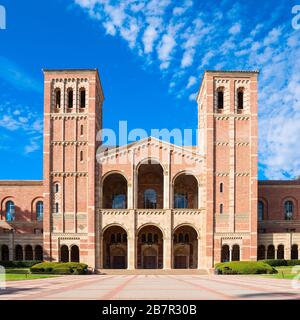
point(244, 267)
point(19, 264)
point(281, 262)
point(60, 268)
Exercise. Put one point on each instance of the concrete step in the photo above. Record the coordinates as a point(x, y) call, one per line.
point(153, 271)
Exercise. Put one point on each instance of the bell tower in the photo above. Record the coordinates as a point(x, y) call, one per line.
point(72, 119)
point(227, 117)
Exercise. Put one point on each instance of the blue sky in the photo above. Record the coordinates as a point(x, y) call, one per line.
point(151, 56)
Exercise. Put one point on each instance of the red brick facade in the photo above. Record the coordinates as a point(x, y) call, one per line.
point(148, 204)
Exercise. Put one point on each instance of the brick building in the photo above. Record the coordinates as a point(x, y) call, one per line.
point(149, 204)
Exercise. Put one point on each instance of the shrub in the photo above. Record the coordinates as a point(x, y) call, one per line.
point(244, 267)
point(60, 268)
point(18, 264)
point(275, 262)
point(293, 262)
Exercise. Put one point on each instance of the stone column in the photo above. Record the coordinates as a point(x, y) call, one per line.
point(101, 251)
point(199, 253)
point(167, 189)
point(230, 254)
point(168, 241)
point(130, 195)
point(131, 245)
point(200, 196)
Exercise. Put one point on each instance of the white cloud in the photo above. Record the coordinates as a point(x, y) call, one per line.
point(235, 29)
point(191, 82)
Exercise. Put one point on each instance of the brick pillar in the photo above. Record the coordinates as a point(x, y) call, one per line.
point(168, 242)
point(131, 243)
point(199, 256)
point(167, 189)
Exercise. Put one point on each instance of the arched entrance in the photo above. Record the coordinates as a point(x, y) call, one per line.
point(225, 255)
point(294, 252)
point(115, 248)
point(150, 185)
point(28, 253)
point(280, 252)
point(75, 257)
point(150, 248)
point(261, 252)
point(64, 253)
point(271, 252)
point(185, 192)
point(235, 254)
point(185, 248)
point(4, 253)
point(38, 253)
point(19, 253)
point(114, 192)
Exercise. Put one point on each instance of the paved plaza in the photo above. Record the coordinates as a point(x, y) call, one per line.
point(152, 287)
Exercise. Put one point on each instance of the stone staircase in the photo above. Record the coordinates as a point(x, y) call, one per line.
point(153, 272)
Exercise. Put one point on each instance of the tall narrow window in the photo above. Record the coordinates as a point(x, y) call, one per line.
point(260, 211)
point(82, 98)
point(221, 208)
point(10, 211)
point(220, 98)
point(240, 99)
point(39, 210)
point(57, 98)
point(70, 98)
point(56, 207)
point(288, 210)
point(221, 187)
point(81, 155)
point(81, 130)
point(56, 188)
point(181, 200)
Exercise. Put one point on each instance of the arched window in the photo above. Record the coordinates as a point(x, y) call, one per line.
point(240, 99)
point(225, 253)
point(39, 210)
point(81, 130)
point(56, 207)
point(28, 253)
point(294, 252)
point(143, 238)
point(38, 253)
point(181, 200)
point(64, 254)
point(150, 199)
point(81, 155)
point(75, 254)
point(261, 252)
point(82, 98)
point(119, 238)
point(186, 238)
point(271, 252)
point(4, 253)
point(221, 208)
point(221, 187)
point(235, 255)
point(10, 211)
point(56, 188)
point(57, 98)
point(150, 238)
point(260, 211)
point(220, 96)
point(180, 238)
point(280, 252)
point(18, 253)
point(288, 210)
point(70, 98)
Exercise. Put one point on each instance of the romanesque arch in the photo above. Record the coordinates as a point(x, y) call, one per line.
point(150, 247)
point(28, 252)
point(261, 252)
point(185, 247)
point(114, 191)
point(4, 253)
point(185, 191)
point(75, 253)
point(150, 184)
point(225, 253)
point(115, 247)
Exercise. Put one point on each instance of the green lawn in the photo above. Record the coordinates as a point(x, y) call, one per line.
point(283, 273)
point(14, 274)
